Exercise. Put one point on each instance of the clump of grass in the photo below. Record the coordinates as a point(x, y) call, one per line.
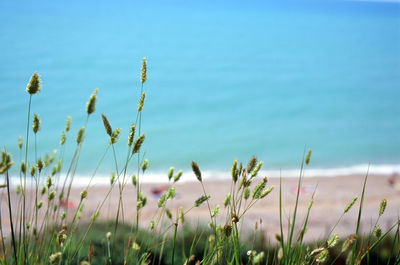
point(43, 233)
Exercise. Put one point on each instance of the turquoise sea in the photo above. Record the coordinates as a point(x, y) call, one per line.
point(226, 79)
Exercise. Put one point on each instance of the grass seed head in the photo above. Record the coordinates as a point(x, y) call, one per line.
point(143, 72)
point(39, 164)
point(170, 173)
point(141, 102)
point(234, 171)
point(63, 138)
point(20, 142)
point(131, 134)
point(259, 189)
point(181, 215)
point(91, 104)
point(138, 143)
point(80, 135)
point(350, 204)
point(169, 214)
point(84, 194)
point(323, 256)
point(178, 176)
point(200, 200)
point(49, 182)
point(196, 171)
point(252, 163)
point(349, 242)
point(227, 200)
point(134, 180)
point(114, 136)
point(145, 165)
point(32, 170)
point(246, 193)
point(34, 84)
point(55, 258)
point(382, 207)
point(107, 125)
point(215, 211)
point(307, 159)
point(51, 196)
point(35, 124)
point(171, 192)
point(257, 168)
point(377, 231)
point(333, 241)
point(22, 167)
point(112, 178)
point(266, 192)
point(68, 124)
point(227, 230)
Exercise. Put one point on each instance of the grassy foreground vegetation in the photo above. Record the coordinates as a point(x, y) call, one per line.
point(41, 231)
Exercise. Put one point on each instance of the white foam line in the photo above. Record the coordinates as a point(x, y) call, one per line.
point(161, 177)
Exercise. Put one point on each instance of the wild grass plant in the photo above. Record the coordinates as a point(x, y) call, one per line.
point(41, 231)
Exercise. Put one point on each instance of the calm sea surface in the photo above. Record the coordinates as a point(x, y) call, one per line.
point(225, 80)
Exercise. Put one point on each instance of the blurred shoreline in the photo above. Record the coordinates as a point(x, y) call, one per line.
point(331, 197)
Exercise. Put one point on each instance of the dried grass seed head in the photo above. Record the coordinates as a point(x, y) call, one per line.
point(20, 142)
point(91, 104)
point(234, 171)
point(141, 102)
point(34, 84)
point(131, 134)
point(252, 163)
point(196, 171)
point(143, 72)
point(36, 123)
point(382, 207)
point(80, 135)
point(138, 143)
point(107, 125)
point(307, 159)
point(68, 124)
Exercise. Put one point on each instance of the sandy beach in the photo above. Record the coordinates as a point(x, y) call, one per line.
point(332, 194)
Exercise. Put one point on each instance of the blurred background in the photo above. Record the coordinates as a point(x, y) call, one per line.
point(225, 80)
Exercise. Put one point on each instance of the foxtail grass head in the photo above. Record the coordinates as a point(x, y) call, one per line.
point(63, 138)
point(68, 123)
point(91, 104)
point(196, 171)
point(107, 125)
point(36, 123)
point(307, 159)
point(80, 135)
point(141, 102)
point(138, 144)
point(34, 84)
point(143, 72)
point(178, 175)
point(114, 136)
point(200, 200)
point(170, 173)
point(252, 163)
point(350, 204)
point(235, 172)
point(20, 142)
point(131, 134)
point(382, 207)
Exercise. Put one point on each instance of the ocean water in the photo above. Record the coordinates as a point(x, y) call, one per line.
point(225, 80)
